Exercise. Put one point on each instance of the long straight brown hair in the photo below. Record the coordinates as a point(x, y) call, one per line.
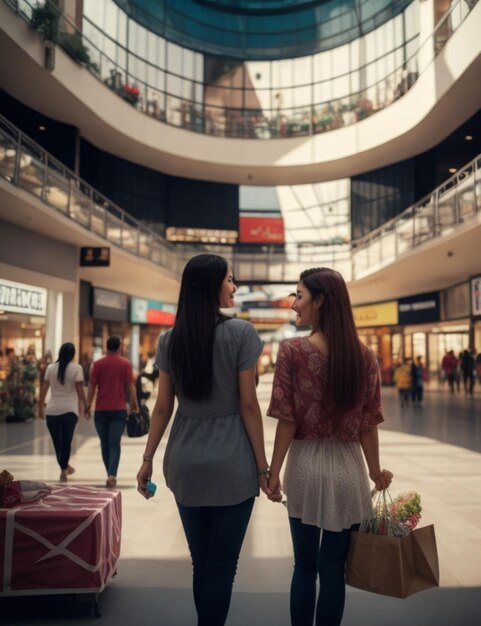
point(347, 378)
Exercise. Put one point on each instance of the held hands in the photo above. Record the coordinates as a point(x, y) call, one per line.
point(274, 488)
point(143, 477)
point(382, 480)
point(41, 412)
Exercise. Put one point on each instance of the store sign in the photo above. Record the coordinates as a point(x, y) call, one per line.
point(151, 312)
point(21, 298)
point(110, 305)
point(476, 296)
point(94, 257)
point(456, 302)
point(420, 309)
point(383, 314)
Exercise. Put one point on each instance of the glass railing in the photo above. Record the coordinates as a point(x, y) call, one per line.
point(451, 204)
point(28, 166)
point(195, 114)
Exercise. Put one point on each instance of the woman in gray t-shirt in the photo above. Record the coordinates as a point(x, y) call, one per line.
point(215, 459)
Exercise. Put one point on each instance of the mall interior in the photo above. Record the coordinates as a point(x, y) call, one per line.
point(282, 135)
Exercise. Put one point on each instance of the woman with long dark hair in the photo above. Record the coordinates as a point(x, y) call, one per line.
point(215, 459)
point(67, 401)
point(326, 396)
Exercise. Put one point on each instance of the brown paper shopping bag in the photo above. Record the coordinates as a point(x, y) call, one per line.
point(393, 566)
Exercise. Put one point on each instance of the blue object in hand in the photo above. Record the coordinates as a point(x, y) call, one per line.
point(151, 487)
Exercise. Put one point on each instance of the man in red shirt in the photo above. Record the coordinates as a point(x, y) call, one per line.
point(111, 376)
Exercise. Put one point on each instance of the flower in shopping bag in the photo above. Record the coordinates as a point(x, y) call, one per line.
point(406, 507)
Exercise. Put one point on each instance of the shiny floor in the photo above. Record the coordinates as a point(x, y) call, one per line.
point(435, 450)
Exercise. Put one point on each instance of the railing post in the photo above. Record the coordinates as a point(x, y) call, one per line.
point(18, 153)
point(44, 178)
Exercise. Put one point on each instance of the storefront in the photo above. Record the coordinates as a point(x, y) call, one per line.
point(23, 310)
point(378, 328)
point(475, 311)
point(149, 318)
point(103, 313)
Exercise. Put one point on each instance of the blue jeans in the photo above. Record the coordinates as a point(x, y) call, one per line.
point(313, 557)
point(110, 426)
point(215, 535)
point(61, 429)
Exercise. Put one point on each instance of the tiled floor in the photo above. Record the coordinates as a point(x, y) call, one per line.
point(435, 450)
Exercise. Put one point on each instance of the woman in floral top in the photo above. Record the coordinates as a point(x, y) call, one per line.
point(326, 396)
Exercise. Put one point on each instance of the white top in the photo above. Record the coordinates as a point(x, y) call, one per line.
point(63, 398)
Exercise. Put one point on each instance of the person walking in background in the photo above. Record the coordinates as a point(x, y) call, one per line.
point(403, 382)
point(326, 396)
point(417, 381)
point(112, 377)
point(467, 367)
point(449, 365)
point(67, 402)
point(215, 458)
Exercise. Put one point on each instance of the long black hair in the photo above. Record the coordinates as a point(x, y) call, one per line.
point(347, 376)
point(192, 340)
point(65, 355)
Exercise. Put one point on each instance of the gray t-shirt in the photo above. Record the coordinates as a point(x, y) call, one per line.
point(208, 460)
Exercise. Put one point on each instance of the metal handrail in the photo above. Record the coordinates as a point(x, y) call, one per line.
point(240, 123)
point(27, 165)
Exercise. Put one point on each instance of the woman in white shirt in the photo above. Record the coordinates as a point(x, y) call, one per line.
point(65, 380)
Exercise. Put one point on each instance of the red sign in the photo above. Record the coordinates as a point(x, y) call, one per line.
point(261, 230)
point(163, 318)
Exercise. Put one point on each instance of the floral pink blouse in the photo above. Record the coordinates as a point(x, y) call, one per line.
point(299, 394)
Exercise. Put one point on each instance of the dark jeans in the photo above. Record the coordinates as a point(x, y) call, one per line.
point(61, 429)
point(313, 557)
point(417, 393)
point(215, 535)
point(110, 426)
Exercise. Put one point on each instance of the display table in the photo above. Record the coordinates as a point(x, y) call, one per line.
point(66, 543)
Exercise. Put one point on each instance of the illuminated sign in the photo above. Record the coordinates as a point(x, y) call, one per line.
point(94, 257)
point(151, 312)
point(21, 298)
point(383, 314)
point(257, 229)
point(476, 295)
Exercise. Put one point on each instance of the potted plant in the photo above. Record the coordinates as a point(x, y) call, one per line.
point(73, 46)
point(130, 93)
point(45, 20)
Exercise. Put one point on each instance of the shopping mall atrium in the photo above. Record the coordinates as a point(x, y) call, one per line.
point(282, 135)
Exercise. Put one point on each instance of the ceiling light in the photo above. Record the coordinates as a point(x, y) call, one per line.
point(452, 170)
point(469, 137)
point(41, 127)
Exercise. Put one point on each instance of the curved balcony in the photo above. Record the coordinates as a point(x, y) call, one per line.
point(446, 93)
point(453, 210)
point(232, 105)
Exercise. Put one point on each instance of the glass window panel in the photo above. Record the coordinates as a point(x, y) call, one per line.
point(286, 76)
point(355, 84)
point(397, 24)
point(188, 90)
point(323, 93)
point(302, 96)
point(174, 58)
point(355, 52)
point(259, 74)
point(188, 63)
point(94, 10)
point(341, 60)
point(322, 66)
point(174, 85)
point(411, 20)
point(199, 92)
point(159, 60)
point(340, 87)
point(199, 67)
point(371, 74)
point(370, 46)
point(306, 195)
point(287, 199)
point(283, 99)
point(302, 74)
point(382, 41)
point(122, 22)
point(111, 15)
point(138, 69)
point(152, 44)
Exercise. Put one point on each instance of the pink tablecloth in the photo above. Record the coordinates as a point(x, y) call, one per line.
point(68, 542)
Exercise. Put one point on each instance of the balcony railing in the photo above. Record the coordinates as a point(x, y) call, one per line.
point(195, 114)
point(28, 166)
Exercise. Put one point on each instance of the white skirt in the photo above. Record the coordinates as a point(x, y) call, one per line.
point(326, 483)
